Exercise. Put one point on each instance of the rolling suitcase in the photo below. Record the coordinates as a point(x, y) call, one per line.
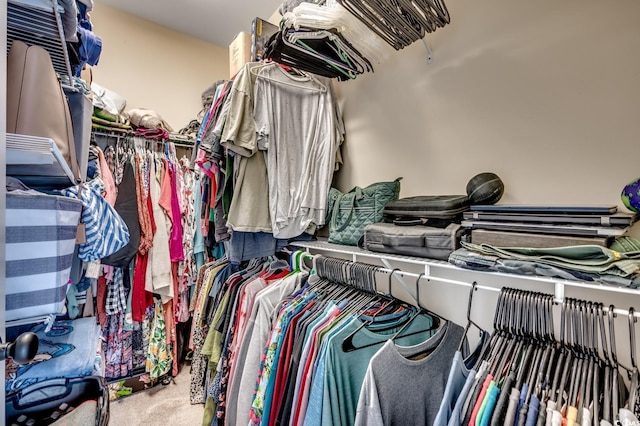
point(432, 210)
point(78, 401)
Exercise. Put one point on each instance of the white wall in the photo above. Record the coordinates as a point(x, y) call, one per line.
point(546, 94)
point(155, 67)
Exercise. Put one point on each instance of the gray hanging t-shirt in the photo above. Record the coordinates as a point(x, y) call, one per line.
point(420, 383)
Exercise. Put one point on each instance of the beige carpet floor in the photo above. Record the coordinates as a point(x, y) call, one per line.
point(160, 405)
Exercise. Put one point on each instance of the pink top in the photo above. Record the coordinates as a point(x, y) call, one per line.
point(110, 191)
point(176, 249)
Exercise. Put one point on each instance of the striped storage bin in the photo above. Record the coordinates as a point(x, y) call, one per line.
point(41, 235)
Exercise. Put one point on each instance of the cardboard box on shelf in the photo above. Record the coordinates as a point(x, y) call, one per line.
point(239, 52)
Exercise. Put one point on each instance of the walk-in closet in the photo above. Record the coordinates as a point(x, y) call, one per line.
point(314, 213)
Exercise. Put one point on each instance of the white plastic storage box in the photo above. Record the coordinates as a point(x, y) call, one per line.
point(40, 239)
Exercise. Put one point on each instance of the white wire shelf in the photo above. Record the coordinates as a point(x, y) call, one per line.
point(38, 22)
point(431, 265)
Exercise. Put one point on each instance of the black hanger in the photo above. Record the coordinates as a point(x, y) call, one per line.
point(470, 322)
point(347, 345)
point(511, 319)
point(607, 404)
point(347, 342)
point(633, 375)
point(497, 341)
point(564, 357)
point(615, 396)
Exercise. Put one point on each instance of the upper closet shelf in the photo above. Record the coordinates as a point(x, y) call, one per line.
point(32, 156)
point(39, 23)
point(432, 267)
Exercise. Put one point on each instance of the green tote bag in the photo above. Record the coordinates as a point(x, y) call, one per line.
point(349, 213)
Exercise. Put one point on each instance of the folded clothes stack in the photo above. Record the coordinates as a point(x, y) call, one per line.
point(103, 120)
point(148, 123)
point(617, 265)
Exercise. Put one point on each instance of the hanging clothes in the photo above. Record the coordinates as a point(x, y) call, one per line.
point(418, 373)
point(159, 279)
point(297, 192)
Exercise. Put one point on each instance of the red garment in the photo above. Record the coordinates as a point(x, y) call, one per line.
point(101, 300)
point(176, 248)
point(146, 233)
point(139, 297)
point(306, 384)
point(284, 364)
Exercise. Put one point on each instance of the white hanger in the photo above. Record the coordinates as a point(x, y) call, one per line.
point(321, 89)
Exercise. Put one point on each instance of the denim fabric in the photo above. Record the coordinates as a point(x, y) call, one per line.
point(83, 17)
point(92, 169)
point(84, 284)
point(91, 47)
point(222, 276)
point(67, 350)
point(249, 245)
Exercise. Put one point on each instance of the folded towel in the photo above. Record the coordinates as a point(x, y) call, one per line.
point(141, 117)
point(158, 133)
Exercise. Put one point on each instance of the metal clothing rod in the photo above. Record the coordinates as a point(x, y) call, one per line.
point(442, 280)
point(401, 273)
point(558, 301)
point(559, 284)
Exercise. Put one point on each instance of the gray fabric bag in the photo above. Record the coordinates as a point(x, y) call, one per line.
point(420, 241)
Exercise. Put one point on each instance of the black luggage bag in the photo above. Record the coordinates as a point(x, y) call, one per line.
point(419, 241)
point(85, 399)
point(433, 210)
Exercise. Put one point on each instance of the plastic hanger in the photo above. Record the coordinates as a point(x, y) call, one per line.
point(615, 397)
point(345, 69)
point(435, 324)
point(333, 15)
point(577, 365)
point(347, 343)
point(505, 322)
point(374, 23)
point(563, 360)
point(607, 403)
point(340, 46)
point(496, 337)
point(321, 87)
point(633, 376)
point(470, 322)
point(584, 392)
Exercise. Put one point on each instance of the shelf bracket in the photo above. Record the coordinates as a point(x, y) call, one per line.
point(429, 52)
point(559, 292)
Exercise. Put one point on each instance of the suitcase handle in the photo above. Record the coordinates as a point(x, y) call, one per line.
point(35, 394)
point(410, 222)
point(412, 241)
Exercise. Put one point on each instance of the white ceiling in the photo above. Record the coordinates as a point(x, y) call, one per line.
point(216, 21)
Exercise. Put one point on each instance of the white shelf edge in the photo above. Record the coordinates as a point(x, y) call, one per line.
point(48, 320)
point(432, 263)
